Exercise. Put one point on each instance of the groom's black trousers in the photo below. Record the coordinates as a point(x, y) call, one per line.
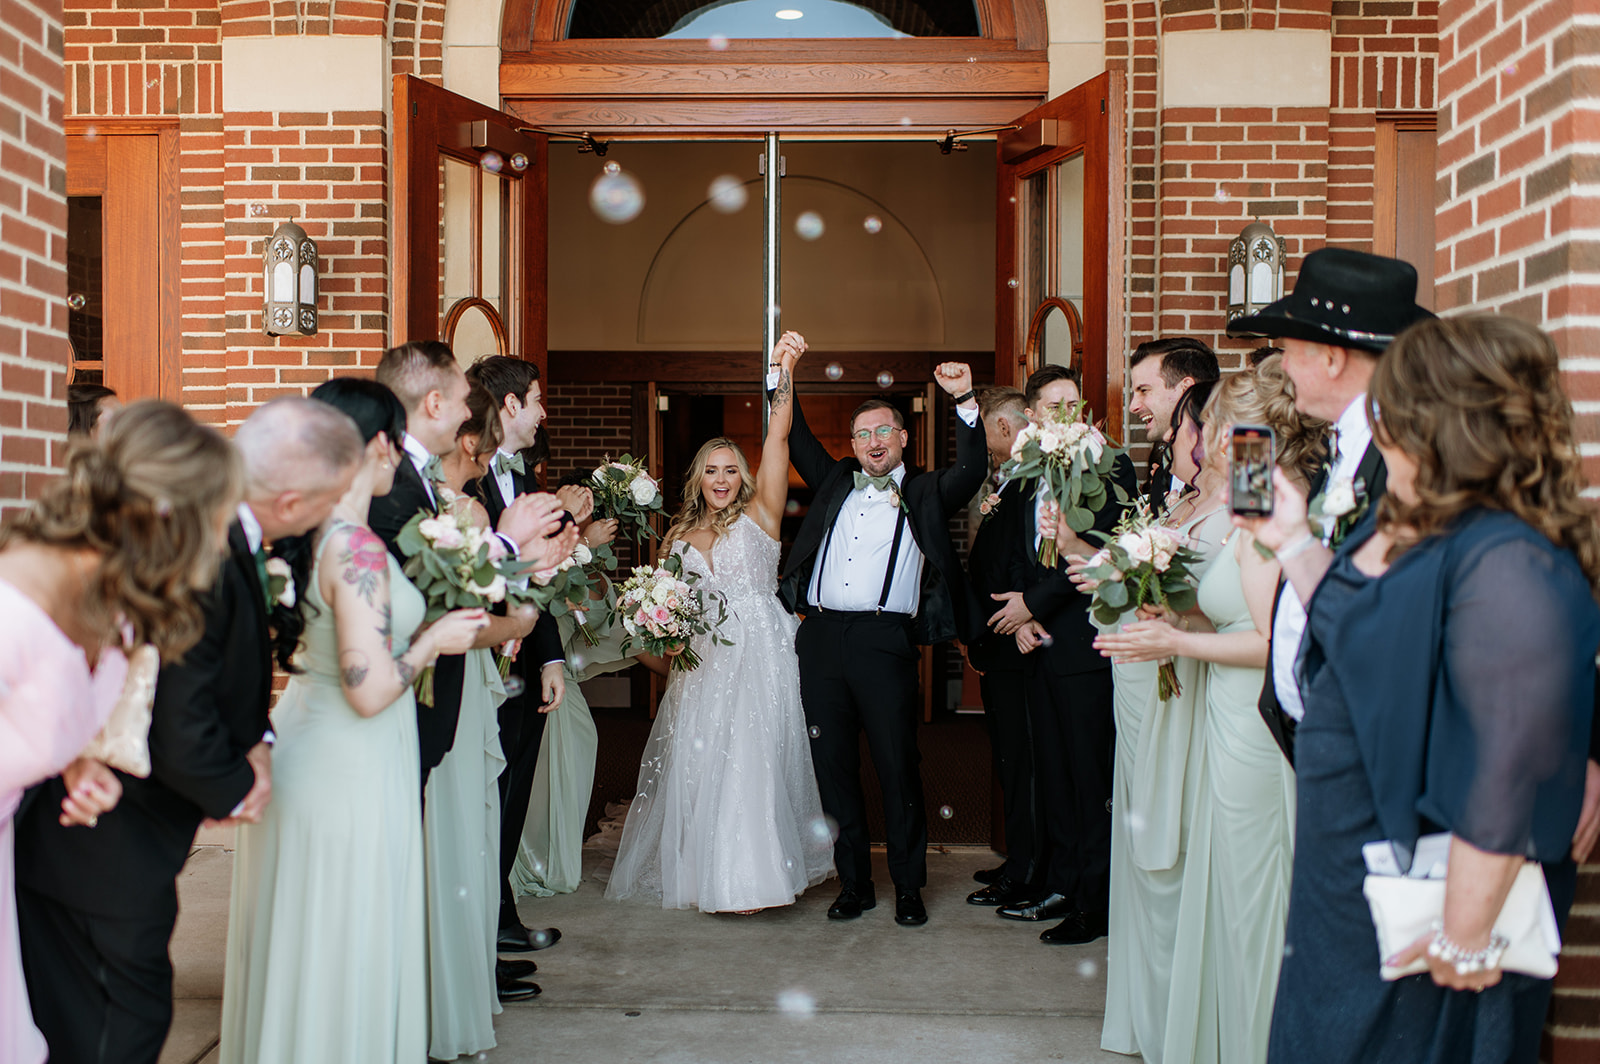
point(858, 672)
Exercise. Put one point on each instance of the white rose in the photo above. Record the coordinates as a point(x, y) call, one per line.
point(643, 490)
point(582, 554)
point(1053, 438)
point(279, 569)
point(430, 527)
point(1136, 546)
point(1029, 432)
point(660, 593)
point(494, 590)
point(1340, 498)
point(1096, 442)
point(449, 537)
point(1074, 432)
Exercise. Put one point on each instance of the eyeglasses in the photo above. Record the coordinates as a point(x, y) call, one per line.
point(883, 432)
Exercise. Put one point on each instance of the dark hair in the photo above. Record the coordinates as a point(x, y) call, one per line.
point(413, 370)
point(877, 404)
point(83, 407)
point(1181, 356)
point(1260, 355)
point(1192, 404)
point(1049, 375)
point(501, 375)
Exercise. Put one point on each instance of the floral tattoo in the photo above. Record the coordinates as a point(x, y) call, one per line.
point(364, 563)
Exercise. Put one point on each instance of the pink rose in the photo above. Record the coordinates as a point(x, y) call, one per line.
point(640, 618)
point(672, 602)
point(497, 548)
point(661, 615)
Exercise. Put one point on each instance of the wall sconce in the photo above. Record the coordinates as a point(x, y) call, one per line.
point(289, 283)
point(1255, 271)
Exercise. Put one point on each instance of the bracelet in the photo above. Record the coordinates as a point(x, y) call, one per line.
point(1298, 546)
point(963, 397)
point(1465, 961)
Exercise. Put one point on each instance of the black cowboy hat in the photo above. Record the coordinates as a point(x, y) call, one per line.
point(1344, 298)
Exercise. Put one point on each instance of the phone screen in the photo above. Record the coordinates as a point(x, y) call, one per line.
point(1250, 476)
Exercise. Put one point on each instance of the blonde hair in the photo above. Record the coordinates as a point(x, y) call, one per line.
point(1264, 396)
point(695, 510)
point(145, 497)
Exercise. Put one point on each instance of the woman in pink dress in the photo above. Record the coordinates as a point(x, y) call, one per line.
point(109, 556)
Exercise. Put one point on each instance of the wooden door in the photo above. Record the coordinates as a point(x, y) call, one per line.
point(123, 256)
point(470, 193)
point(1059, 241)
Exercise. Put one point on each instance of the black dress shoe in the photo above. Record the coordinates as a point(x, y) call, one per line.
point(1050, 907)
point(989, 875)
point(852, 902)
point(1075, 930)
point(516, 990)
point(908, 908)
point(504, 969)
point(519, 939)
point(1004, 891)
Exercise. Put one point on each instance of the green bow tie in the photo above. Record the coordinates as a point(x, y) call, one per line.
point(883, 483)
point(512, 462)
point(433, 470)
point(263, 576)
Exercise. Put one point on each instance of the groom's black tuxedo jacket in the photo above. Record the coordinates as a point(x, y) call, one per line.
point(544, 642)
point(210, 709)
point(948, 609)
point(436, 725)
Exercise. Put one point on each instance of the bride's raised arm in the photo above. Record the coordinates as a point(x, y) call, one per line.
point(772, 476)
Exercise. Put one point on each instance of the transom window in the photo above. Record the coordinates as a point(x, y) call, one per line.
point(759, 19)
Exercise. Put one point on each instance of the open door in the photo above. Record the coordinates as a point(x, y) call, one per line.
point(470, 192)
point(1058, 235)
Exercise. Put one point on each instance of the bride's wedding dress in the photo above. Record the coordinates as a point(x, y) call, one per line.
point(726, 816)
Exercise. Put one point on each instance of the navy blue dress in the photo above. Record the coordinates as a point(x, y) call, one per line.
point(1453, 693)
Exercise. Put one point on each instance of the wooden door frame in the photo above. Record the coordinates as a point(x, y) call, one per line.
point(169, 255)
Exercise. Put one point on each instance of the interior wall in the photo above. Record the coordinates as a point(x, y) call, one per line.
point(848, 289)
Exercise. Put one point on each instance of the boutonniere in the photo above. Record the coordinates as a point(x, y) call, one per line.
point(988, 506)
point(280, 583)
point(1335, 512)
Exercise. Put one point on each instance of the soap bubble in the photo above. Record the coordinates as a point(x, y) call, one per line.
point(257, 210)
point(615, 196)
point(152, 83)
point(905, 120)
point(717, 42)
point(809, 225)
point(1135, 823)
point(699, 744)
point(539, 938)
point(1511, 68)
point(492, 162)
point(946, 812)
point(873, 224)
point(885, 379)
point(791, 507)
point(1046, 639)
point(461, 893)
point(814, 731)
point(77, 301)
point(728, 194)
point(797, 1003)
point(519, 162)
point(90, 132)
point(788, 864)
point(834, 371)
point(1012, 283)
point(1088, 969)
point(514, 686)
point(824, 831)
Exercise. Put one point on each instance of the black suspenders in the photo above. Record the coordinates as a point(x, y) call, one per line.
point(894, 556)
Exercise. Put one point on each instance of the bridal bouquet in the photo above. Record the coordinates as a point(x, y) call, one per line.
point(623, 490)
point(567, 587)
point(1074, 459)
point(661, 610)
point(1143, 563)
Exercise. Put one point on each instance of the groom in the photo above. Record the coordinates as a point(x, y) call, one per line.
point(874, 574)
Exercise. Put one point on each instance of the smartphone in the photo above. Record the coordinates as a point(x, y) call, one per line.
point(1255, 454)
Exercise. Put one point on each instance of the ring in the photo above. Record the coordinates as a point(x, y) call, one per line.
point(94, 821)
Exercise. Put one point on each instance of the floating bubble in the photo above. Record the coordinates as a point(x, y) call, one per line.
point(717, 42)
point(514, 686)
point(873, 224)
point(809, 225)
point(492, 161)
point(539, 938)
point(797, 1003)
point(519, 162)
point(905, 120)
point(814, 731)
point(1288, 949)
point(728, 194)
point(824, 831)
point(834, 371)
point(1511, 68)
point(461, 893)
point(1088, 969)
point(885, 379)
point(482, 1057)
point(945, 812)
point(615, 196)
point(1135, 823)
point(612, 167)
point(788, 864)
point(791, 507)
point(1046, 639)
point(152, 83)
point(77, 301)
point(1221, 196)
point(257, 210)
point(699, 744)
point(90, 132)
point(1013, 283)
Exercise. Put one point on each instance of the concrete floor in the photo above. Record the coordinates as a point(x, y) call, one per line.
point(633, 983)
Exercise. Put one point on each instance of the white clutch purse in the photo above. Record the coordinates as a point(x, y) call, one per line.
point(124, 742)
point(1404, 909)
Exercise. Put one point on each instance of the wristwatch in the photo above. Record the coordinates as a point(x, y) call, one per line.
point(964, 396)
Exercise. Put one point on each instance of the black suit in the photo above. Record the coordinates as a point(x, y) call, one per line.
point(858, 671)
point(1374, 475)
point(1005, 706)
point(97, 906)
point(521, 723)
point(1069, 706)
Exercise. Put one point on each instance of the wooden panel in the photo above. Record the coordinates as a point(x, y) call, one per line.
point(744, 368)
point(132, 282)
point(1403, 174)
point(688, 117)
point(86, 166)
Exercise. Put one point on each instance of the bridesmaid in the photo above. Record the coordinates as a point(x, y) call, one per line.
point(111, 554)
point(326, 950)
point(1236, 873)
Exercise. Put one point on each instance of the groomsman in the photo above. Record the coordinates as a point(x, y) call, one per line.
point(516, 395)
point(874, 574)
point(999, 663)
point(1069, 700)
point(97, 907)
point(1159, 372)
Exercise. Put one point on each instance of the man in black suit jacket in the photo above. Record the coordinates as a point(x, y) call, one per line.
point(999, 665)
point(874, 573)
point(97, 907)
point(1069, 700)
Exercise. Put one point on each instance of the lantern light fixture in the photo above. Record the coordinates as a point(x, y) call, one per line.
point(289, 282)
point(1255, 271)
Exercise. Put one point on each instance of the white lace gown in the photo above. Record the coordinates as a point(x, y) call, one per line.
point(727, 817)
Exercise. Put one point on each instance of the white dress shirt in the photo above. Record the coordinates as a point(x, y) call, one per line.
point(1352, 435)
point(502, 477)
point(252, 528)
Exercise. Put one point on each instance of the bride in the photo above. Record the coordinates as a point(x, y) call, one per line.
point(727, 816)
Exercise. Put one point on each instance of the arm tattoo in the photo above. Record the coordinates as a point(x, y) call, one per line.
point(782, 393)
point(364, 563)
point(407, 671)
point(386, 628)
point(353, 668)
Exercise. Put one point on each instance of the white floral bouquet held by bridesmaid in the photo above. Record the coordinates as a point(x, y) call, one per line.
point(1143, 563)
point(1075, 460)
point(568, 587)
point(624, 491)
point(661, 611)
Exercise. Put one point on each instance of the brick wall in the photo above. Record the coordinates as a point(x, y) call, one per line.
point(33, 255)
point(588, 423)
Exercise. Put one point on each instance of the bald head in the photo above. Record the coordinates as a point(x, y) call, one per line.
point(299, 458)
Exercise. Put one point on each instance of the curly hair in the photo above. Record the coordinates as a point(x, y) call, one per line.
point(145, 498)
point(1476, 401)
point(1264, 396)
point(695, 509)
